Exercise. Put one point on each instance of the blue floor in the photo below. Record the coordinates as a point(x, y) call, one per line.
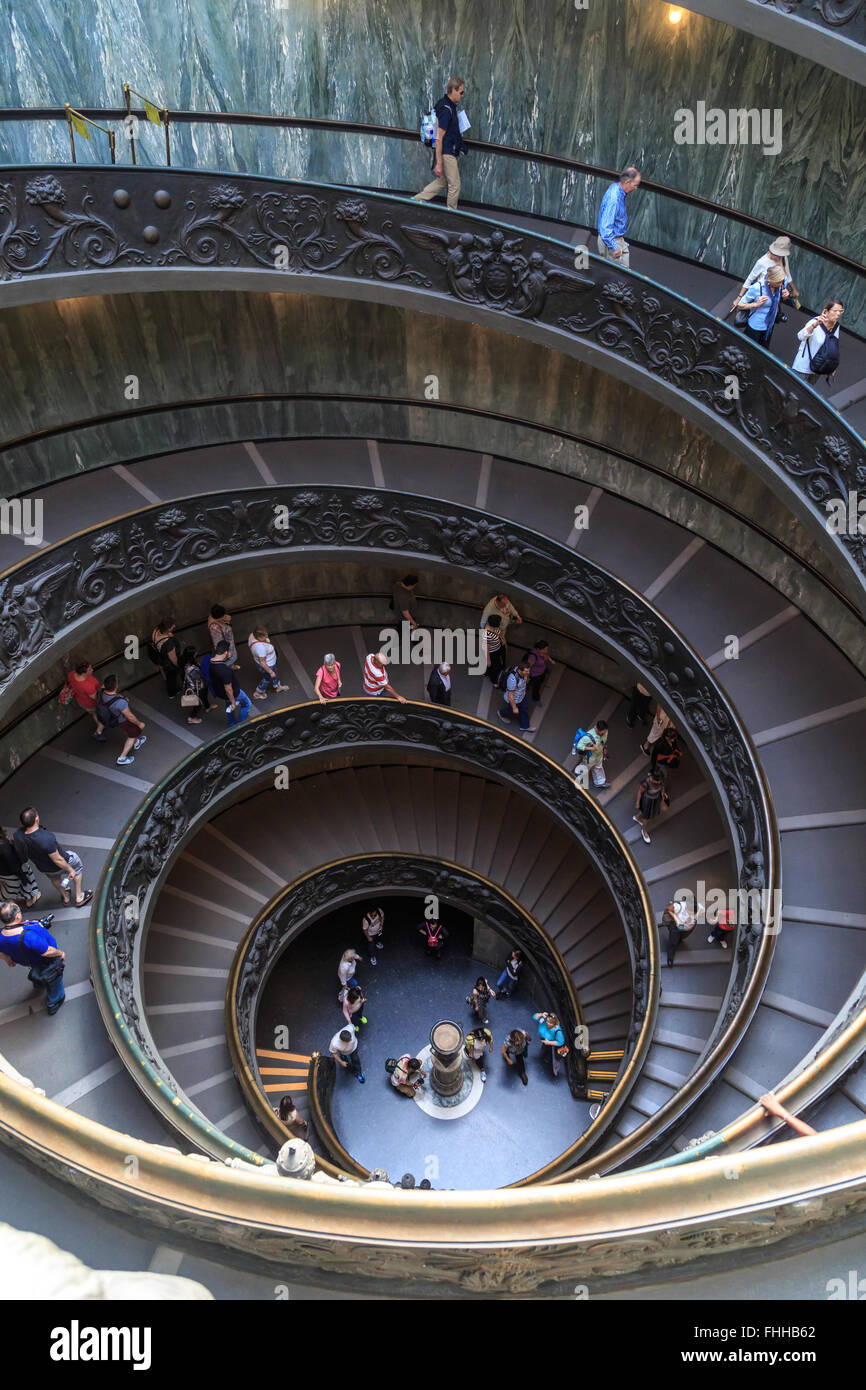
point(511, 1132)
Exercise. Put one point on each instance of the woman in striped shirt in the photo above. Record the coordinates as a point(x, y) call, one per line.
point(495, 646)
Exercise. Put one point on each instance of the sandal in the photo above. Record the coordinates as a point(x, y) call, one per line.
point(88, 897)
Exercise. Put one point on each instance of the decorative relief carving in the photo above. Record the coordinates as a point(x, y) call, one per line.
point(311, 230)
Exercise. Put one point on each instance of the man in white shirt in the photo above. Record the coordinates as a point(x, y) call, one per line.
point(265, 658)
point(344, 1050)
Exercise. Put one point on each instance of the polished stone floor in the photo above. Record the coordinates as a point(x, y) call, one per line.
point(511, 1132)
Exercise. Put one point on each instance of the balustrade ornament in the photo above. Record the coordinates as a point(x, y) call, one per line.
point(835, 14)
point(72, 220)
point(192, 793)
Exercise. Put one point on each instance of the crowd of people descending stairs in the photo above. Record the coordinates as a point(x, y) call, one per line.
point(204, 681)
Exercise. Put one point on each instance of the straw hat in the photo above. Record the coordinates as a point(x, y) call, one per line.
point(781, 246)
point(775, 275)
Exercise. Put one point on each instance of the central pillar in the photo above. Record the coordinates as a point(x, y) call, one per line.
point(446, 1050)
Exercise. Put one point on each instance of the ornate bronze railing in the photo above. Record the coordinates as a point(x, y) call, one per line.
point(175, 227)
point(240, 760)
point(711, 233)
point(829, 32)
point(525, 1242)
point(73, 587)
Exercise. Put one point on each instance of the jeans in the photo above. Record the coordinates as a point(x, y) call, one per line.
point(621, 245)
point(505, 985)
point(497, 661)
point(535, 684)
point(243, 709)
point(554, 1060)
point(519, 1063)
point(45, 973)
point(522, 712)
point(268, 677)
point(354, 1061)
point(673, 943)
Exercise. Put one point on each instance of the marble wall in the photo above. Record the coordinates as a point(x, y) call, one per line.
point(601, 83)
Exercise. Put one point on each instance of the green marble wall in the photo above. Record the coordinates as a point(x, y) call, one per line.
point(601, 83)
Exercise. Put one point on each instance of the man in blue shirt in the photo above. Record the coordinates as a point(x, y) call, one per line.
point(225, 684)
point(613, 218)
point(516, 703)
point(31, 944)
point(449, 145)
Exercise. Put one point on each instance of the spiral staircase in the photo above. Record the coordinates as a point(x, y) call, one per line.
point(710, 576)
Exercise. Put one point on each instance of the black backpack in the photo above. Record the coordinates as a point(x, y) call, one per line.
point(826, 359)
point(105, 709)
point(502, 678)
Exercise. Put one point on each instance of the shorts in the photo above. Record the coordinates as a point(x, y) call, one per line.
point(72, 860)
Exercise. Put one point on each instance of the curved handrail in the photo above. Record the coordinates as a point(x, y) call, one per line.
point(496, 148)
point(172, 408)
point(838, 1051)
point(210, 777)
point(318, 892)
point(320, 1087)
point(126, 557)
point(526, 1241)
point(829, 32)
point(641, 331)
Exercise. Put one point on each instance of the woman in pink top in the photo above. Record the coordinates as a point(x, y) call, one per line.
point(328, 683)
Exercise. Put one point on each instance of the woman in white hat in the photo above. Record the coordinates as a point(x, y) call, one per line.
point(778, 254)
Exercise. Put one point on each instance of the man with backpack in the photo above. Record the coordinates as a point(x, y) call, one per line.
point(31, 944)
point(113, 712)
point(515, 683)
point(590, 746)
point(447, 145)
point(818, 354)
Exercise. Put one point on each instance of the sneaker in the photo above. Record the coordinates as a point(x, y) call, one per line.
point(100, 738)
point(140, 742)
point(485, 1020)
point(711, 937)
point(363, 1020)
point(724, 945)
point(362, 1078)
point(645, 750)
point(124, 762)
point(372, 960)
point(503, 717)
point(484, 1076)
point(636, 820)
point(646, 838)
point(530, 729)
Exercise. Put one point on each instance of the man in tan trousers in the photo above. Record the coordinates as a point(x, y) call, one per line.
point(449, 145)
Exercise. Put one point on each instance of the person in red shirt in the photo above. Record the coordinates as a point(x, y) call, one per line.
point(83, 688)
point(724, 927)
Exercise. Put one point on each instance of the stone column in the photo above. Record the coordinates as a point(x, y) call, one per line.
point(446, 1048)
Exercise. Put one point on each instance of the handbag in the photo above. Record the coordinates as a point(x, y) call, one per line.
point(189, 699)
